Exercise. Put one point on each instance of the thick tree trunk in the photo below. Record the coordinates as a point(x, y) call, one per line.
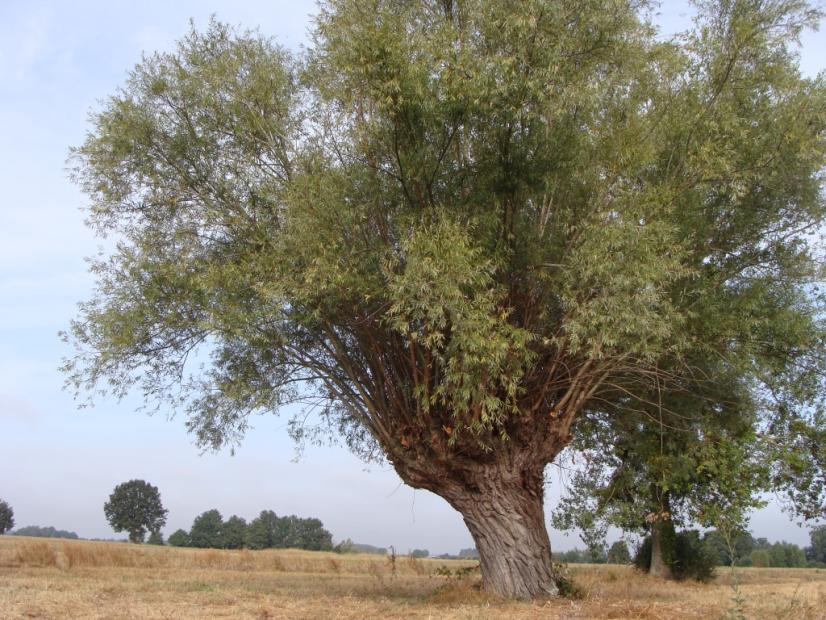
point(658, 567)
point(504, 511)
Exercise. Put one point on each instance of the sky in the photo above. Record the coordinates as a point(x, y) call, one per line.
point(58, 464)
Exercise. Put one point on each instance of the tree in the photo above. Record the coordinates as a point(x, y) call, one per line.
point(6, 517)
point(786, 555)
point(233, 533)
point(760, 558)
point(743, 545)
point(618, 553)
point(817, 551)
point(206, 531)
point(460, 227)
point(135, 507)
point(179, 538)
point(155, 538)
point(310, 534)
point(45, 532)
point(269, 530)
point(706, 470)
point(420, 553)
point(262, 531)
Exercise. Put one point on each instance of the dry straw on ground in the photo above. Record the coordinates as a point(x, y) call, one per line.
point(68, 579)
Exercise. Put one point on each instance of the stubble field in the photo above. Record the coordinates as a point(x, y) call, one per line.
point(42, 578)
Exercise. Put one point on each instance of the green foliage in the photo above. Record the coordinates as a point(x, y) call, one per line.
point(135, 507)
point(579, 556)
point(297, 533)
point(642, 555)
point(271, 531)
point(507, 194)
point(44, 532)
point(743, 544)
point(818, 548)
point(692, 558)
point(618, 553)
point(472, 231)
point(419, 553)
point(262, 531)
point(233, 533)
point(786, 555)
point(6, 517)
point(155, 538)
point(686, 554)
point(760, 558)
point(179, 538)
point(206, 530)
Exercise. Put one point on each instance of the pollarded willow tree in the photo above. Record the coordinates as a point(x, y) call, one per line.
point(455, 226)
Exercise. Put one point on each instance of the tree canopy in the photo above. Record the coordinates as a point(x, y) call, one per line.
point(135, 507)
point(6, 517)
point(454, 229)
point(207, 529)
point(817, 551)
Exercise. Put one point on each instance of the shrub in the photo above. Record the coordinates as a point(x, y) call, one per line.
point(179, 538)
point(786, 555)
point(690, 558)
point(760, 558)
point(618, 553)
point(642, 555)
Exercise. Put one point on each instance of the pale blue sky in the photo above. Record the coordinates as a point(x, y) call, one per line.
point(58, 464)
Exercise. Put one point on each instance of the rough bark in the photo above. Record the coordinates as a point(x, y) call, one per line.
point(659, 567)
point(502, 506)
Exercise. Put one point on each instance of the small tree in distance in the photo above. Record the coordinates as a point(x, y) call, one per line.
point(619, 554)
point(135, 507)
point(179, 538)
point(206, 530)
point(6, 517)
point(817, 552)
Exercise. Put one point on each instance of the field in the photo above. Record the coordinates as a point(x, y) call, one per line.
point(47, 578)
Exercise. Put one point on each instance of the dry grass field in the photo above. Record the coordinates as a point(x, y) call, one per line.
point(47, 578)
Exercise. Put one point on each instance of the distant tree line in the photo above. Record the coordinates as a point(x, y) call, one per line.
point(44, 532)
point(464, 554)
point(348, 546)
point(696, 554)
point(267, 531)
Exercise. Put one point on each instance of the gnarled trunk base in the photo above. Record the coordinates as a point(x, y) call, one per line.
point(505, 515)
